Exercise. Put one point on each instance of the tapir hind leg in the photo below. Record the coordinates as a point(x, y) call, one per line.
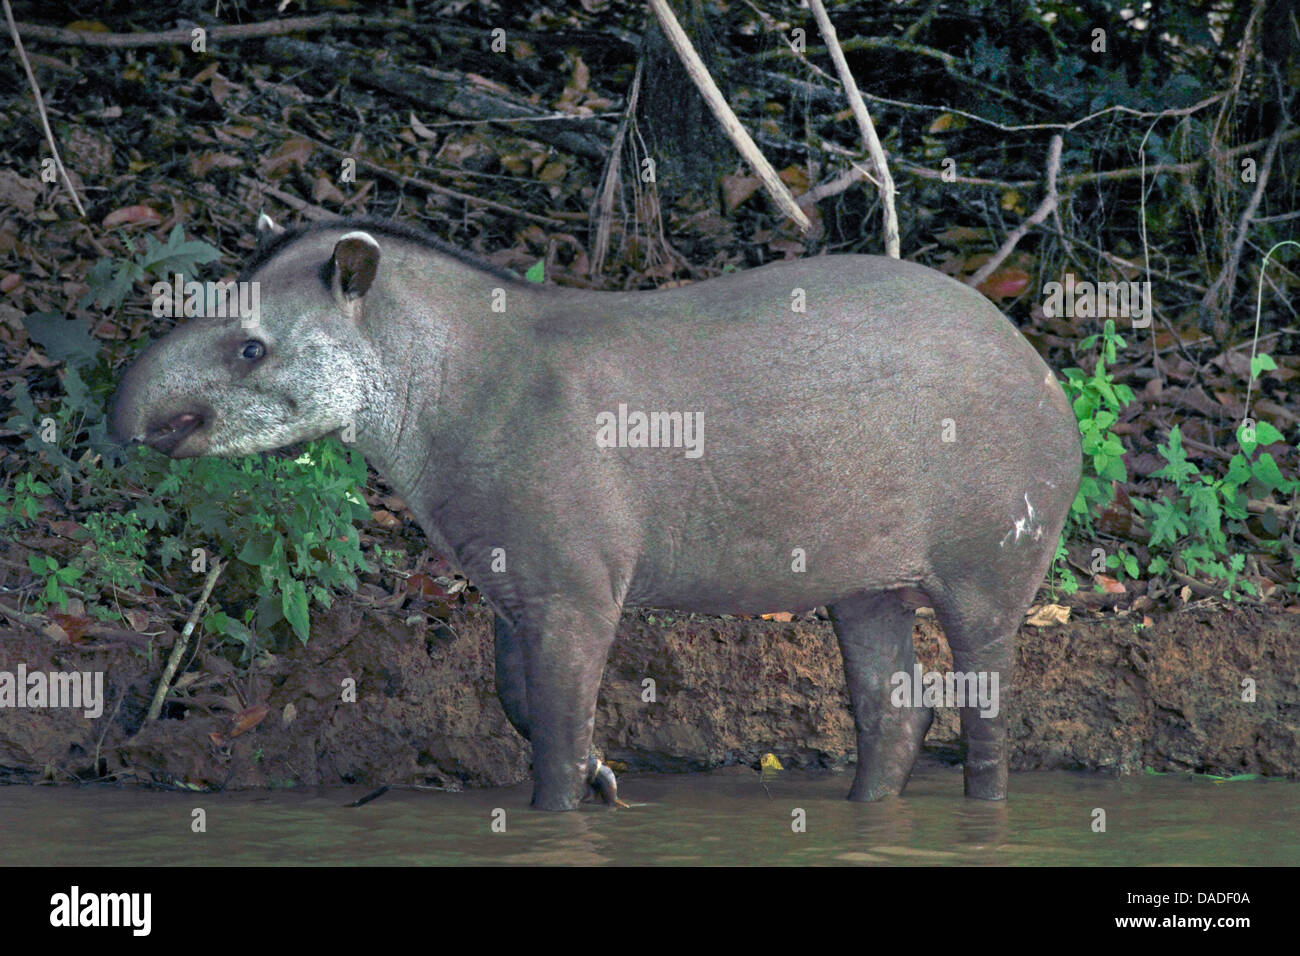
point(981, 633)
point(875, 635)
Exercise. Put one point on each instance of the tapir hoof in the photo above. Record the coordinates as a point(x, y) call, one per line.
point(602, 781)
point(886, 764)
point(872, 794)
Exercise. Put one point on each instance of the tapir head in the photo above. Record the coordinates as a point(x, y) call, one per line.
point(294, 370)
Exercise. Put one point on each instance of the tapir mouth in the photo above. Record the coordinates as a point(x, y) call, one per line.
point(167, 435)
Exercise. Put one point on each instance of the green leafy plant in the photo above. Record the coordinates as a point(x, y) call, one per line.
point(112, 280)
point(55, 578)
point(1190, 526)
point(1098, 400)
point(288, 524)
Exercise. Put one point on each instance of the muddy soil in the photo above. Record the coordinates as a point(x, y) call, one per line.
point(1095, 695)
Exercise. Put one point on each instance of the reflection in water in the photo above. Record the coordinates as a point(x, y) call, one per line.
point(723, 818)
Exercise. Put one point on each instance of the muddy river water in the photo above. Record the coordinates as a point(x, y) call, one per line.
point(726, 817)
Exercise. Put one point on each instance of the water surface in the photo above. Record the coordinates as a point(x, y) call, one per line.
point(694, 819)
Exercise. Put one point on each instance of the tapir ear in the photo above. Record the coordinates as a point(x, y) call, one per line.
point(267, 229)
point(356, 260)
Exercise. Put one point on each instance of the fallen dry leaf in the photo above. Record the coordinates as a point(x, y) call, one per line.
point(1048, 614)
point(248, 718)
point(131, 216)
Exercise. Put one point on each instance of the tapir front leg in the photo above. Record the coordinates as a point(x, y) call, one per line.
point(549, 668)
point(512, 678)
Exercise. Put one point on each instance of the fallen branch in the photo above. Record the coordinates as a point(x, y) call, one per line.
point(46, 628)
point(1076, 179)
point(1228, 274)
point(178, 649)
point(242, 31)
point(301, 206)
point(458, 94)
point(865, 126)
point(556, 220)
point(1044, 210)
point(40, 108)
point(37, 624)
point(602, 207)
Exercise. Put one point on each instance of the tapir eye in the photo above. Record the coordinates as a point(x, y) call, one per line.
point(252, 350)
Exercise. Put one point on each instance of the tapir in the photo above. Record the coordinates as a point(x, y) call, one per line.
point(848, 431)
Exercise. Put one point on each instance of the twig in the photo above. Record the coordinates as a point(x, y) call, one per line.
point(1131, 172)
point(104, 733)
point(40, 107)
point(1228, 273)
point(178, 649)
point(603, 207)
point(812, 90)
point(310, 210)
point(739, 137)
point(242, 31)
point(865, 126)
point(425, 184)
point(27, 620)
point(833, 187)
point(1042, 212)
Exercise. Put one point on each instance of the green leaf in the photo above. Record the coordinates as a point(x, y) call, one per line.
point(1267, 473)
point(1266, 434)
point(109, 288)
point(536, 272)
point(171, 550)
point(177, 254)
point(257, 551)
point(1178, 469)
point(1169, 525)
point(294, 605)
point(152, 514)
point(1238, 471)
point(1261, 363)
point(64, 340)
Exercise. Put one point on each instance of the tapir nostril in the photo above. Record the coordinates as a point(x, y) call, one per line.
point(166, 435)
